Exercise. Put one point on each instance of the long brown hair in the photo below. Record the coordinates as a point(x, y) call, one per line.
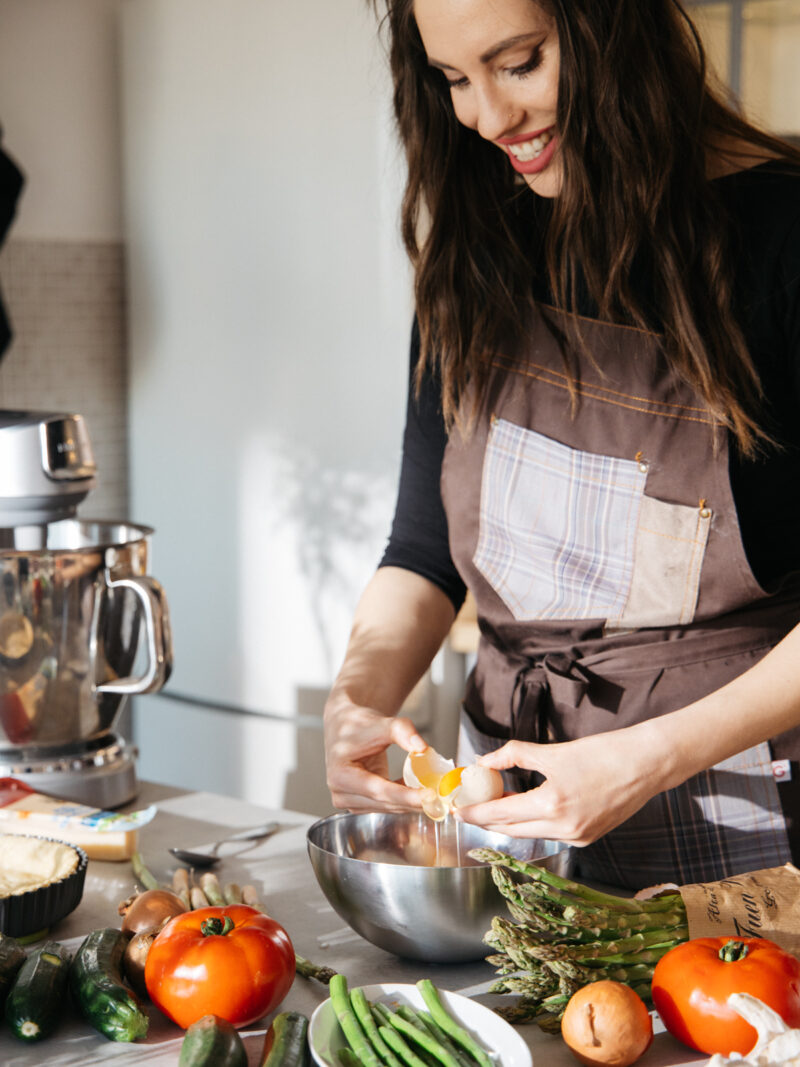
point(637, 116)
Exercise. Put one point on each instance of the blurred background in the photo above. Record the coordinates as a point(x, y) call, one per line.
point(206, 265)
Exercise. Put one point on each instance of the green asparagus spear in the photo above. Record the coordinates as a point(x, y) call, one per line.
point(363, 1013)
point(143, 873)
point(576, 889)
point(209, 883)
point(308, 969)
point(428, 1021)
point(422, 1038)
point(400, 1047)
point(351, 1027)
point(462, 1037)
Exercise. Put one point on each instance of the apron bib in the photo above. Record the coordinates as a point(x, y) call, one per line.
point(598, 534)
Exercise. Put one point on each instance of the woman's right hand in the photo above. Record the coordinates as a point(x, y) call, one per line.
point(399, 625)
point(356, 743)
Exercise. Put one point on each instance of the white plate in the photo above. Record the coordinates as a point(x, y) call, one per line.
point(498, 1037)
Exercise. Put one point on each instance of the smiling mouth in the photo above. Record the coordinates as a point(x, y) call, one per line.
point(525, 151)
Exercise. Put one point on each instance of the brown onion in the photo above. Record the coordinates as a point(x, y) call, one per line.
point(151, 908)
point(136, 956)
point(606, 1024)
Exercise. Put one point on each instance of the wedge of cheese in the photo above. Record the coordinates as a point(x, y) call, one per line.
point(103, 835)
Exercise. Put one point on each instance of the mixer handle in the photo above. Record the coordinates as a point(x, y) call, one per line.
point(159, 638)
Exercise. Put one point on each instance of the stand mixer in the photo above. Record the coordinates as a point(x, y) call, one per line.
point(82, 625)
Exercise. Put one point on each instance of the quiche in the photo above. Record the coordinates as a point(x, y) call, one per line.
point(30, 863)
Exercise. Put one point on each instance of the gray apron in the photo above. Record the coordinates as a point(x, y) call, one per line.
point(599, 536)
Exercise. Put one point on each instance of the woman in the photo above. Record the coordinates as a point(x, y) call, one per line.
point(603, 421)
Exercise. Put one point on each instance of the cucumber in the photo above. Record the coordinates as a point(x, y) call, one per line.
point(286, 1043)
point(95, 978)
point(34, 1004)
point(12, 956)
point(212, 1042)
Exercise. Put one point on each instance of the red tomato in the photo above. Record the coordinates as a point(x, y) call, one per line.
point(692, 983)
point(234, 962)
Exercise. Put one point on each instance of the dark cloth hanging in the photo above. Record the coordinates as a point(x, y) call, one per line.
point(11, 183)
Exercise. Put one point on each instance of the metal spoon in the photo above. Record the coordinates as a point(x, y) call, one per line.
point(208, 859)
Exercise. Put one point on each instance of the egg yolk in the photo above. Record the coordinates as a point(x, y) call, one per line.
point(450, 781)
point(427, 766)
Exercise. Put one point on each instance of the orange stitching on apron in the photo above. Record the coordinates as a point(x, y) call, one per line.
point(512, 365)
point(670, 537)
point(691, 589)
point(583, 388)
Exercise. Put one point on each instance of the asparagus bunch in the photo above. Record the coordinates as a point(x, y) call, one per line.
point(379, 1037)
point(562, 935)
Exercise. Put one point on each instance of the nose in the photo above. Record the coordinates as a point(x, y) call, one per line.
point(497, 114)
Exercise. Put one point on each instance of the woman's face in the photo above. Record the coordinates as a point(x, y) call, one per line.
point(500, 59)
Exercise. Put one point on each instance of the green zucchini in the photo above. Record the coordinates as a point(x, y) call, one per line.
point(95, 978)
point(286, 1042)
point(34, 1004)
point(212, 1042)
point(12, 956)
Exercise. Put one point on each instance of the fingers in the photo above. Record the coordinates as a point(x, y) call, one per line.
point(533, 814)
point(356, 759)
point(542, 813)
point(515, 808)
point(357, 764)
point(524, 754)
point(357, 789)
point(404, 733)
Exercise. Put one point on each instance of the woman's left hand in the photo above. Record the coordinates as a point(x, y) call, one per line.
point(595, 783)
point(592, 785)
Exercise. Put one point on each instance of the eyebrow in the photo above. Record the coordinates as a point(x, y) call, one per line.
point(491, 53)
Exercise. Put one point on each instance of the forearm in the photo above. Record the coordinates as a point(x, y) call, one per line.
point(399, 625)
point(761, 703)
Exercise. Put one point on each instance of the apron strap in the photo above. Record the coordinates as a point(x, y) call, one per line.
point(558, 678)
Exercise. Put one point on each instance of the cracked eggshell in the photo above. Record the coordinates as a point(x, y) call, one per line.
point(423, 770)
point(478, 785)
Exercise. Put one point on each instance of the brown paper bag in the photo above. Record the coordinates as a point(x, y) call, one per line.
point(757, 904)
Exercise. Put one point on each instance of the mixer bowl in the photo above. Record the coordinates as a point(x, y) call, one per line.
point(78, 615)
point(378, 872)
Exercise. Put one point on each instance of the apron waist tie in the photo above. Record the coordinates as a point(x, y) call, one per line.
point(540, 685)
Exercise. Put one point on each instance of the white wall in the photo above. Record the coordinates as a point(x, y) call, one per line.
point(60, 116)
point(270, 311)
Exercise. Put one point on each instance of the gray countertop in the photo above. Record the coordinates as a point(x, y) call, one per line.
point(280, 870)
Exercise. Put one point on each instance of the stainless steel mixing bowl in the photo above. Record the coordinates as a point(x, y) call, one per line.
point(407, 884)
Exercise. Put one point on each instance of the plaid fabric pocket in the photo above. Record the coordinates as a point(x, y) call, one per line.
point(557, 526)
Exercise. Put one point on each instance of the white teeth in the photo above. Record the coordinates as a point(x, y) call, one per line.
point(525, 151)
